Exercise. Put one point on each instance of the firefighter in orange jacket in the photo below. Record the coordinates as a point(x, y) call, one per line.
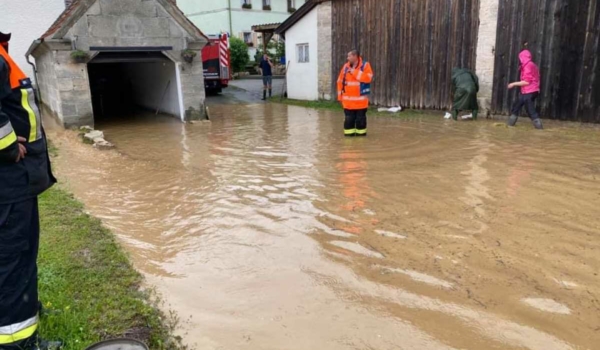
point(24, 174)
point(354, 87)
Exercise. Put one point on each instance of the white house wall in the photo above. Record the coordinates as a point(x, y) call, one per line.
point(302, 78)
point(27, 20)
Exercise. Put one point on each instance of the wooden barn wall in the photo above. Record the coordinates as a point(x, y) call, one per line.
point(412, 46)
point(563, 36)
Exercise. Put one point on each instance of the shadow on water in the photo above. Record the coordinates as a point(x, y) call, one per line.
point(267, 229)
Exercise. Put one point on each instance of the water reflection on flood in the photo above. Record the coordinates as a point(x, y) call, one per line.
point(266, 229)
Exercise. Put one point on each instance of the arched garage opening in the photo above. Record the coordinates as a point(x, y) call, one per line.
point(127, 83)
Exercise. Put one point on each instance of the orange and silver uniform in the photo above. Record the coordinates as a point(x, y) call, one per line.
point(21, 181)
point(353, 88)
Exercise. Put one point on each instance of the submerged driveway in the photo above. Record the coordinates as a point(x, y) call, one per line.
point(267, 229)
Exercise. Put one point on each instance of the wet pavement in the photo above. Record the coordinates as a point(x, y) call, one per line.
point(244, 91)
point(267, 229)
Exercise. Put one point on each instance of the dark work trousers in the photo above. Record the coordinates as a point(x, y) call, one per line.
point(356, 122)
point(527, 100)
point(19, 243)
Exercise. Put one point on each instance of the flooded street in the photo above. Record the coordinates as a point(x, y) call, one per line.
point(267, 229)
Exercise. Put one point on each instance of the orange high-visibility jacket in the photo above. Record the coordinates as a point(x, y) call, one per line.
point(351, 85)
point(20, 116)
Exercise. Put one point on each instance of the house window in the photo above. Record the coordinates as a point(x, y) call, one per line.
point(246, 4)
point(267, 5)
point(291, 5)
point(248, 38)
point(303, 55)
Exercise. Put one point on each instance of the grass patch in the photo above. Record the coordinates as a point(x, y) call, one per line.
point(88, 287)
point(336, 106)
point(52, 150)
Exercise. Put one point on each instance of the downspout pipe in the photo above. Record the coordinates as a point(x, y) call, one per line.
point(230, 21)
point(35, 44)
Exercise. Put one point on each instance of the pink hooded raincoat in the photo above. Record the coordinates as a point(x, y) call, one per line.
point(529, 73)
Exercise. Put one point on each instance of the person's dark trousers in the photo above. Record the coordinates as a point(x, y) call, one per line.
point(356, 122)
point(19, 243)
point(527, 100)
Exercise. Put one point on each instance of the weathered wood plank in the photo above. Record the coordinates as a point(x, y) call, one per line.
point(412, 45)
point(563, 36)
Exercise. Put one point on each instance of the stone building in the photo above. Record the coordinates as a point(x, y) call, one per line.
point(106, 57)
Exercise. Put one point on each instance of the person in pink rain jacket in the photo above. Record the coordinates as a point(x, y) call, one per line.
point(530, 90)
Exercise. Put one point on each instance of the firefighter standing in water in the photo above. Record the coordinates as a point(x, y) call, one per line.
point(354, 87)
point(24, 174)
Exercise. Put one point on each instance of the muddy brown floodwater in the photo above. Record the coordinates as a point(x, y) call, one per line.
point(267, 229)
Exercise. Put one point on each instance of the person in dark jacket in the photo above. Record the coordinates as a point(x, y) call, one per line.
point(24, 174)
point(465, 86)
point(266, 70)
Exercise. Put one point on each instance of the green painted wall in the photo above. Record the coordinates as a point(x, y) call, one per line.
point(212, 16)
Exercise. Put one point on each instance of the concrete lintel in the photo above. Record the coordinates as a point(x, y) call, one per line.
point(59, 45)
point(170, 56)
point(196, 45)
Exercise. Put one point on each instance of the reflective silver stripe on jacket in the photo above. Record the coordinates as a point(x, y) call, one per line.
point(38, 116)
point(17, 327)
point(6, 130)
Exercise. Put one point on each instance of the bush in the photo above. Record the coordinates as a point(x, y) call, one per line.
point(239, 54)
point(276, 51)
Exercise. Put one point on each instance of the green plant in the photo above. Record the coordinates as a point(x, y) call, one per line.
point(239, 54)
point(79, 55)
point(280, 50)
point(188, 55)
point(273, 49)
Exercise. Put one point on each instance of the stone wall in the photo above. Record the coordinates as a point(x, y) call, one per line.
point(488, 22)
point(46, 79)
point(192, 88)
point(324, 30)
point(127, 23)
point(74, 91)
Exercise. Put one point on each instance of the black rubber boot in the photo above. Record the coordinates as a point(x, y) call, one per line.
point(475, 114)
point(270, 92)
point(512, 121)
point(455, 115)
point(33, 343)
point(538, 124)
point(264, 95)
point(49, 345)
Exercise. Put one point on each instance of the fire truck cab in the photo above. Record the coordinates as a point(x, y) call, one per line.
point(216, 60)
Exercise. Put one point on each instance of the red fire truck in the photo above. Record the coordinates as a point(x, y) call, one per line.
point(216, 59)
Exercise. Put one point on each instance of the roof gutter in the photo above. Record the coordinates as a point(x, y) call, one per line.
point(34, 45)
